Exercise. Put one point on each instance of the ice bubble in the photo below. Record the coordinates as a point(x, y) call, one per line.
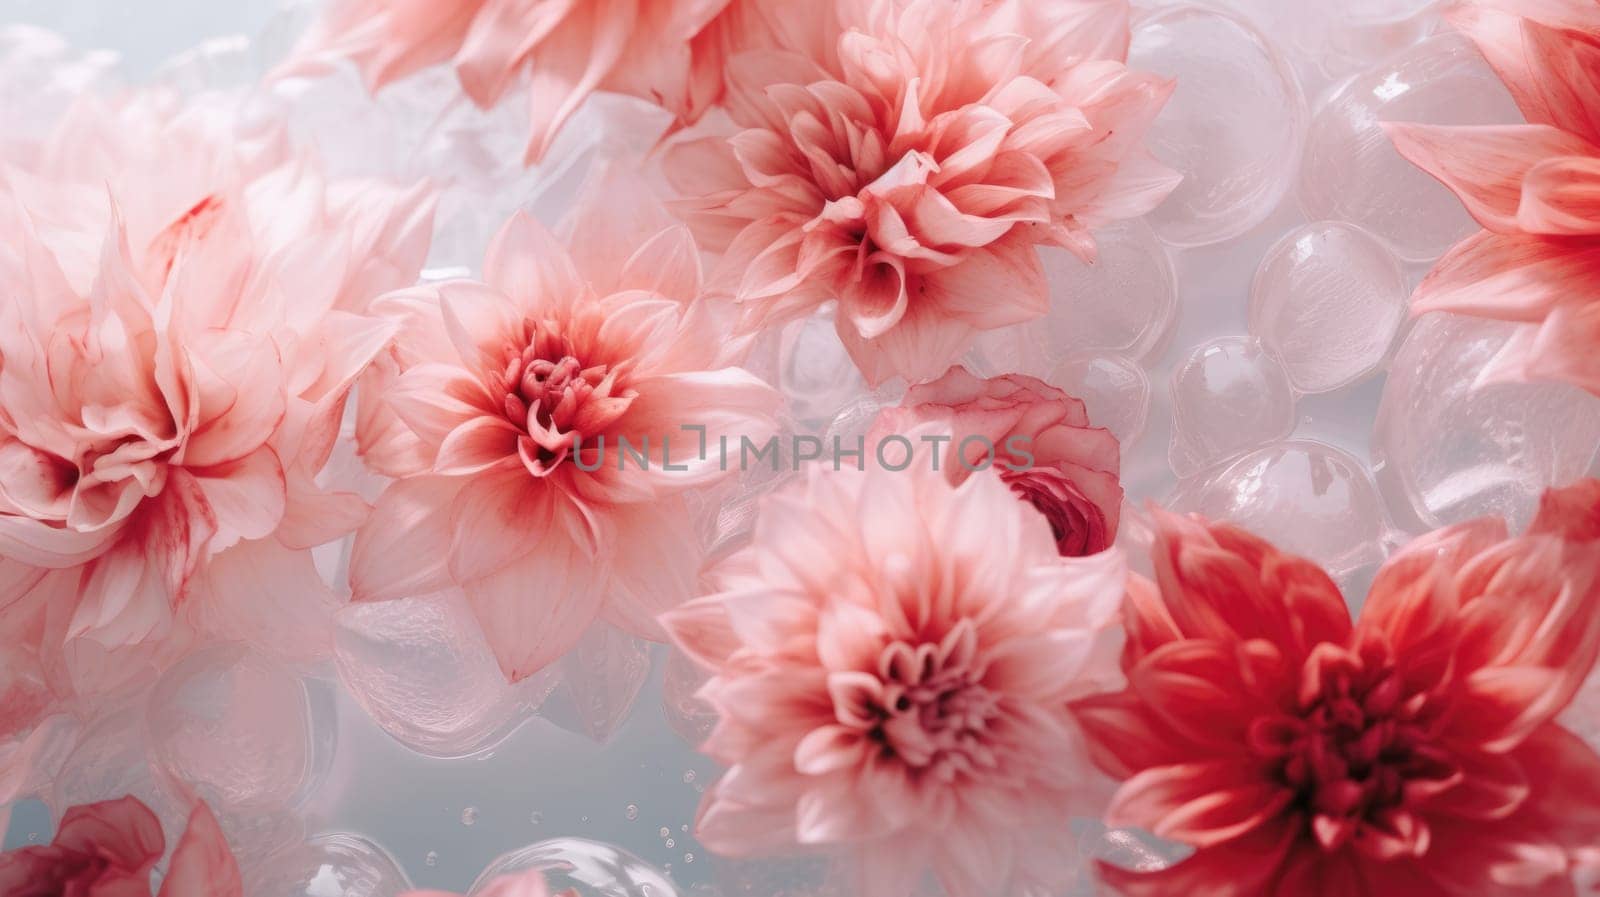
point(1234, 126)
point(1114, 389)
point(334, 865)
point(1327, 301)
point(1447, 449)
point(1228, 397)
point(1126, 302)
point(688, 715)
point(233, 726)
point(588, 868)
point(1309, 499)
point(815, 372)
point(1352, 172)
point(1334, 39)
point(105, 760)
point(600, 681)
point(423, 671)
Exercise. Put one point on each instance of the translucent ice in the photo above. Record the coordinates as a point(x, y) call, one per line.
point(1327, 300)
point(1335, 39)
point(421, 668)
point(814, 371)
point(600, 680)
point(1233, 127)
point(1447, 449)
point(688, 715)
point(334, 865)
point(589, 868)
point(1308, 498)
point(1231, 395)
point(234, 727)
point(1352, 172)
point(1114, 389)
point(1125, 302)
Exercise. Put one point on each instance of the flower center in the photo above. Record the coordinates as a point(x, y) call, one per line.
point(1065, 508)
point(1356, 754)
point(554, 398)
point(933, 712)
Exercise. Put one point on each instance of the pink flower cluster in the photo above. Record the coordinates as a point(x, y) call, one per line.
point(915, 670)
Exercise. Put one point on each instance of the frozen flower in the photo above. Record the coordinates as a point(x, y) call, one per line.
point(1531, 186)
point(1037, 436)
point(502, 410)
point(892, 660)
point(908, 164)
point(1413, 752)
point(178, 333)
point(664, 51)
point(110, 849)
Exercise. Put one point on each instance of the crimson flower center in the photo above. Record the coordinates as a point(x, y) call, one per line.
point(1354, 756)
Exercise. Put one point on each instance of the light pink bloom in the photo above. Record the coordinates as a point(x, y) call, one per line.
point(892, 659)
point(907, 163)
point(1037, 437)
point(178, 333)
point(664, 51)
point(1533, 187)
point(1412, 753)
point(528, 883)
point(111, 848)
point(495, 393)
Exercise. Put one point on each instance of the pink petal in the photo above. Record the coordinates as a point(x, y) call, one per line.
point(1485, 165)
point(1203, 803)
point(202, 864)
point(536, 607)
point(1511, 277)
point(400, 552)
point(1561, 196)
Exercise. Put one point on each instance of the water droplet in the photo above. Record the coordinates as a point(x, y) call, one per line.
point(684, 827)
point(432, 858)
point(469, 816)
point(633, 812)
point(688, 777)
point(536, 817)
point(688, 858)
point(671, 844)
point(665, 832)
point(584, 819)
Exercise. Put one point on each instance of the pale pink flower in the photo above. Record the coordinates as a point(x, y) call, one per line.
point(892, 659)
point(178, 333)
point(1037, 437)
point(664, 51)
point(110, 849)
point(495, 397)
point(1412, 753)
point(907, 163)
point(1531, 186)
point(528, 883)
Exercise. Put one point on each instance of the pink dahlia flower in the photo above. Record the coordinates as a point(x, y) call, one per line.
point(1531, 186)
point(501, 410)
point(179, 329)
point(892, 660)
point(908, 165)
point(1414, 752)
point(110, 849)
point(1036, 436)
point(664, 51)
